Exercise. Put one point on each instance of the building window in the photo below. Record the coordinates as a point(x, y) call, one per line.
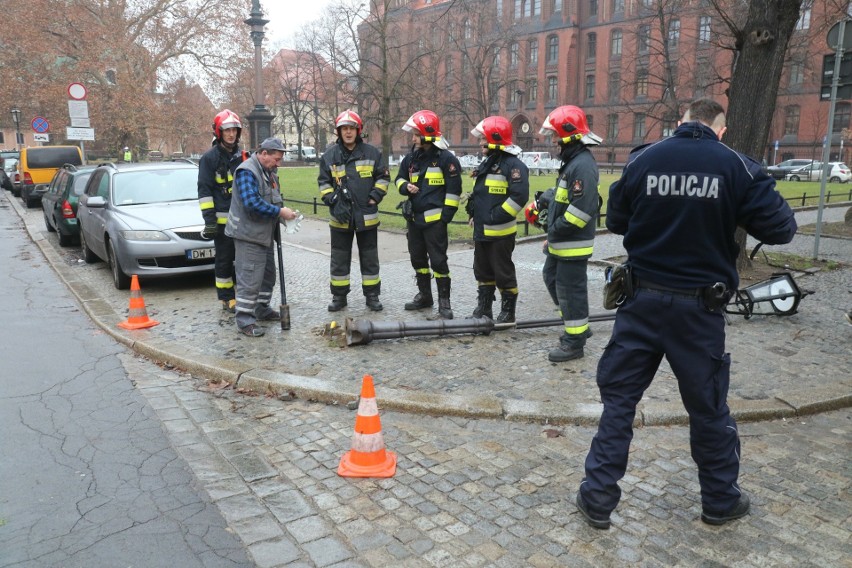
point(804, 22)
point(614, 86)
point(591, 45)
point(557, 6)
point(704, 30)
point(593, 8)
point(514, 94)
point(499, 10)
point(533, 52)
point(110, 76)
point(791, 120)
point(643, 38)
point(552, 49)
point(639, 126)
point(2, 138)
point(842, 116)
point(674, 33)
point(448, 69)
point(797, 74)
point(669, 125)
point(615, 43)
point(468, 30)
point(532, 91)
point(536, 7)
point(552, 90)
point(590, 120)
point(590, 87)
point(617, 6)
point(612, 127)
point(642, 83)
point(514, 52)
point(519, 9)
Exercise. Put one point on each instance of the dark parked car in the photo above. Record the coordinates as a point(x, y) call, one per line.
point(59, 202)
point(144, 219)
point(780, 171)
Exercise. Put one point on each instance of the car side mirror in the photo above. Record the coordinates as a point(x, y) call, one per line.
point(95, 201)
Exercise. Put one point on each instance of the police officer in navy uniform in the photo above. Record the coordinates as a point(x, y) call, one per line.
point(430, 176)
point(571, 216)
point(678, 203)
point(500, 191)
point(215, 181)
point(352, 182)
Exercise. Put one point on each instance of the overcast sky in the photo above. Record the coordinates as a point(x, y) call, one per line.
point(286, 17)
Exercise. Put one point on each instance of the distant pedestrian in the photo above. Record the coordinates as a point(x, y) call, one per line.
point(570, 219)
point(500, 192)
point(353, 180)
point(215, 181)
point(256, 209)
point(430, 176)
point(127, 155)
point(678, 203)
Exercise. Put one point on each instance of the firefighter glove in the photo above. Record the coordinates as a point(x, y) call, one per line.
point(209, 231)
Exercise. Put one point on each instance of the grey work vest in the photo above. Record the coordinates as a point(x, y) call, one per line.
point(246, 225)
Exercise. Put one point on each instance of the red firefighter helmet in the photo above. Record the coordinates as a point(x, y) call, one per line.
point(496, 130)
point(348, 118)
point(531, 213)
point(224, 120)
point(427, 124)
point(570, 124)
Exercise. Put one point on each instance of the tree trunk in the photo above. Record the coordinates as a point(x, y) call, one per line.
point(758, 64)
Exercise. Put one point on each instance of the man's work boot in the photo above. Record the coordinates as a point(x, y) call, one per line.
point(338, 302)
point(569, 348)
point(740, 509)
point(484, 302)
point(444, 309)
point(373, 302)
point(423, 299)
point(508, 300)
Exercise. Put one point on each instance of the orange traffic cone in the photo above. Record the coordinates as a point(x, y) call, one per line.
point(368, 457)
point(138, 317)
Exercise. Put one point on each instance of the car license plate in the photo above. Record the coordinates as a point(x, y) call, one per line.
point(199, 254)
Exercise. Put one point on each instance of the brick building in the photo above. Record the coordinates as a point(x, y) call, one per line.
point(632, 65)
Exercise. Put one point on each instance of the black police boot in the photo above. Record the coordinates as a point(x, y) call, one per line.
point(338, 302)
point(508, 300)
point(444, 298)
point(423, 299)
point(570, 348)
point(373, 302)
point(484, 301)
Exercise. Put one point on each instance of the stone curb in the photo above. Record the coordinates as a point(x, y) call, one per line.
point(282, 385)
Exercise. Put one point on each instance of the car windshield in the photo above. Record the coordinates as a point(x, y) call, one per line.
point(10, 165)
point(155, 186)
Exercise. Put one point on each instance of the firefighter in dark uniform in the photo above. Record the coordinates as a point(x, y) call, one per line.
point(352, 182)
point(678, 203)
point(571, 219)
point(215, 178)
point(430, 176)
point(500, 192)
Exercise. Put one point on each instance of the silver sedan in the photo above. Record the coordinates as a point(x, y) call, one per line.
point(144, 219)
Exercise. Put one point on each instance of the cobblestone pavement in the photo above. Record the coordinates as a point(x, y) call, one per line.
point(781, 366)
point(480, 492)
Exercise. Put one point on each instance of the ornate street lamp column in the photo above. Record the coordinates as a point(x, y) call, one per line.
point(260, 119)
point(16, 117)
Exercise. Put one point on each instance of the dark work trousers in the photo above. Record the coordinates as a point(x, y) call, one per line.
point(492, 263)
point(428, 245)
point(568, 284)
point(224, 267)
point(648, 326)
point(341, 259)
point(255, 281)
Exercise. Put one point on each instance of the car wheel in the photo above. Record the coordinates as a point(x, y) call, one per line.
point(834, 179)
point(119, 278)
point(47, 224)
point(794, 178)
point(88, 255)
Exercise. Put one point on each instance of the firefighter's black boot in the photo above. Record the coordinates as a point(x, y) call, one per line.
point(484, 301)
point(423, 299)
point(373, 302)
point(338, 302)
point(508, 300)
point(444, 298)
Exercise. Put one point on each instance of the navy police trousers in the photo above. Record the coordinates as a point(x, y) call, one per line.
point(649, 325)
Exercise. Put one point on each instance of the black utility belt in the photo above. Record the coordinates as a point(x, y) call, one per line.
point(696, 292)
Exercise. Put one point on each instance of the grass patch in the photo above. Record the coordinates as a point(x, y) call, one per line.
point(299, 186)
point(799, 263)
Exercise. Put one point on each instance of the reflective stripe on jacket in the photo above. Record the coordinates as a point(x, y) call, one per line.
point(362, 173)
point(247, 226)
point(438, 175)
point(500, 192)
point(574, 209)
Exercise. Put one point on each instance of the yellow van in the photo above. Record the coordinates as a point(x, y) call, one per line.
point(38, 165)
